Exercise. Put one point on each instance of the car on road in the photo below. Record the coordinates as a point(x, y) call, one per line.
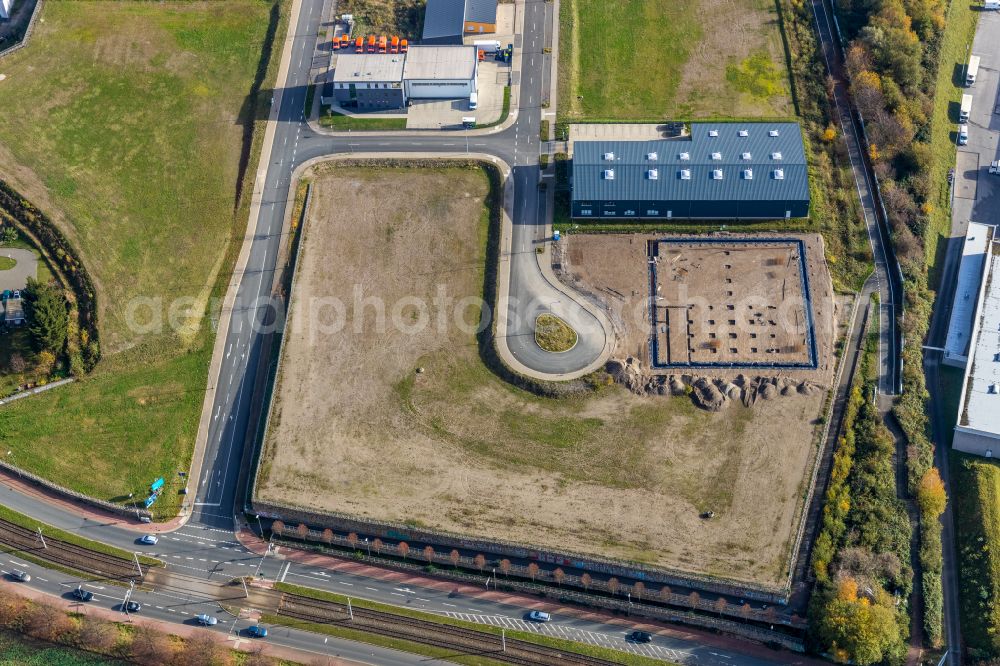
point(963, 135)
point(257, 631)
point(82, 594)
point(133, 607)
point(640, 637)
point(149, 540)
point(207, 620)
point(19, 575)
point(539, 616)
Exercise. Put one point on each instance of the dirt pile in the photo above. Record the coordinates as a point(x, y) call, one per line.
point(709, 393)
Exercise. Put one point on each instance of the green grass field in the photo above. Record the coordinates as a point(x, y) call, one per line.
point(692, 69)
point(976, 488)
point(125, 126)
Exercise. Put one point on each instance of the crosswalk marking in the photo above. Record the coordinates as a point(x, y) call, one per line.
point(579, 635)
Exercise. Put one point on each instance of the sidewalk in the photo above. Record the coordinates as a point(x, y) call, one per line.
point(82, 510)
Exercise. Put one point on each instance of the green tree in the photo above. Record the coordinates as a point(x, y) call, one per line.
point(8, 235)
point(856, 628)
point(47, 312)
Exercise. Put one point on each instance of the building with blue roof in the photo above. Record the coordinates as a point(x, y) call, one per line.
point(718, 171)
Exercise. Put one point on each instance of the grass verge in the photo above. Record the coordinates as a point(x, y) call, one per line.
point(552, 334)
point(338, 121)
point(570, 646)
point(75, 539)
point(504, 112)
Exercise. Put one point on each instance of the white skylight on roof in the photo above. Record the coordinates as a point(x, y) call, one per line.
point(779, 174)
point(609, 174)
point(772, 133)
point(713, 132)
point(685, 174)
point(744, 133)
point(716, 156)
point(748, 174)
point(653, 174)
point(747, 157)
point(652, 157)
point(716, 174)
point(685, 156)
point(775, 156)
point(609, 156)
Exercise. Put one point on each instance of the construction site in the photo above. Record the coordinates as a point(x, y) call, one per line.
point(724, 306)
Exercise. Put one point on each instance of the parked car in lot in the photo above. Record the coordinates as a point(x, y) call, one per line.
point(640, 637)
point(19, 575)
point(133, 607)
point(539, 616)
point(149, 540)
point(82, 594)
point(207, 620)
point(963, 135)
point(995, 167)
point(257, 631)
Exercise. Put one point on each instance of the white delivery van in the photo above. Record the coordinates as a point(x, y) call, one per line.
point(473, 101)
point(991, 4)
point(972, 71)
point(469, 122)
point(966, 109)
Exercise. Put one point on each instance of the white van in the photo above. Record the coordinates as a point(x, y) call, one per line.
point(473, 101)
point(972, 71)
point(966, 109)
point(991, 4)
point(963, 135)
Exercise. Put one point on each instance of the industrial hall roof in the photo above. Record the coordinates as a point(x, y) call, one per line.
point(715, 162)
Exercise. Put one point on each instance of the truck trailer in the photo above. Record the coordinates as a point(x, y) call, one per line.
point(972, 71)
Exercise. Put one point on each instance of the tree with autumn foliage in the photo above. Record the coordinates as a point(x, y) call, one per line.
point(931, 496)
point(855, 627)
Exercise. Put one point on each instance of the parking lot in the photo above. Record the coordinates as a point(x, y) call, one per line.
point(977, 192)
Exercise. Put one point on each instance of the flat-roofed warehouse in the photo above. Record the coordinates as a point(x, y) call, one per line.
point(978, 427)
point(369, 80)
point(718, 171)
point(440, 72)
point(446, 21)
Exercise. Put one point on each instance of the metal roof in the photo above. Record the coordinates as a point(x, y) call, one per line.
point(979, 409)
point(440, 63)
point(970, 278)
point(758, 161)
point(481, 11)
point(369, 67)
point(444, 18)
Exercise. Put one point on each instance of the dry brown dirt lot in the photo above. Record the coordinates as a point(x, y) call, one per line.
point(355, 429)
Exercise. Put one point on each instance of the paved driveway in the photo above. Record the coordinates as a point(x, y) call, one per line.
point(17, 277)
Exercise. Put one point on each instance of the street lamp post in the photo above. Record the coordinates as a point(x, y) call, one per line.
point(368, 546)
point(13, 463)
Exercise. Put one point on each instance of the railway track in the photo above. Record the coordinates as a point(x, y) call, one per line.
point(459, 639)
point(66, 554)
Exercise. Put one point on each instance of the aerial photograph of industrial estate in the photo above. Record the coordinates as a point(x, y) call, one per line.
point(485, 332)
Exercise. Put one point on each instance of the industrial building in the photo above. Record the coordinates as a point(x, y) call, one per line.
point(718, 171)
point(5, 7)
point(967, 286)
point(440, 72)
point(369, 81)
point(447, 21)
point(977, 429)
point(379, 81)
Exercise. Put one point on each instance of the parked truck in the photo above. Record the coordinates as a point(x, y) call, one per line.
point(966, 109)
point(394, 44)
point(371, 44)
point(487, 45)
point(972, 71)
point(404, 45)
point(383, 44)
point(359, 45)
